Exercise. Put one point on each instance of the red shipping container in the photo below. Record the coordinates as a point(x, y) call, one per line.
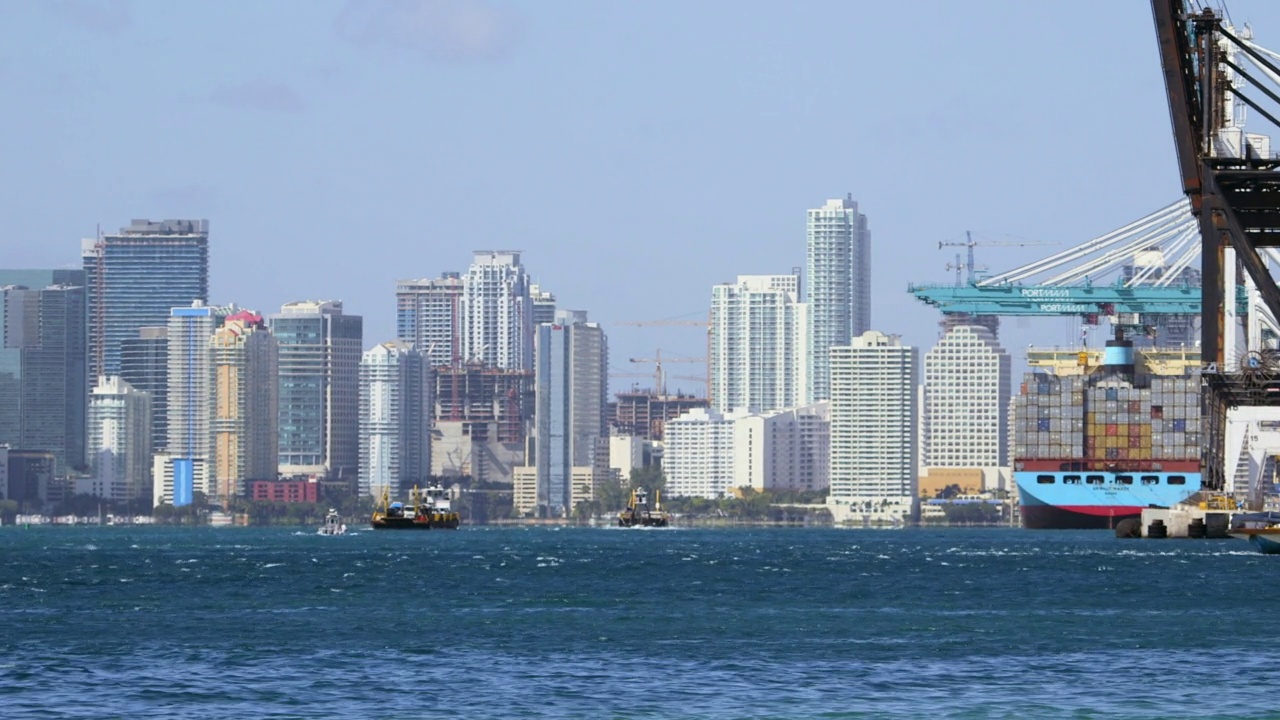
point(1113, 429)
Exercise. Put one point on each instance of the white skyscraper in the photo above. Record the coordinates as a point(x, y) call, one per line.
point(966, 385)
point(120, 440)
point(497, 312)
point(756, 348)
point(838, 290)
point(191, 398)
point(395, 419)
point(429, 315)
point(873, 429)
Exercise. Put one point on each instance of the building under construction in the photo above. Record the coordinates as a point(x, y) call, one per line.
point(481, 419)
point(645, 413)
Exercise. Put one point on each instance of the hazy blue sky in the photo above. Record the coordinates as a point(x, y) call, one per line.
point(637, 152)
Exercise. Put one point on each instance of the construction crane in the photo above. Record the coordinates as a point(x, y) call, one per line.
point(692, 323)
point(970, 243)
point(702, 379)
point(660, 382)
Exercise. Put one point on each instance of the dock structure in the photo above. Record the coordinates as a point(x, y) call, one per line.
point(1230, 179)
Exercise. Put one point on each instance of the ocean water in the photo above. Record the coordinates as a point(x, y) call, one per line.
point(611, 623)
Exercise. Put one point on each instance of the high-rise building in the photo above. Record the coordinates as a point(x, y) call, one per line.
point(136, 276)
point(966, 386)
point(873, 429)
point(838, 286)
point(756, 343)
point(246, 404)
point(395, 419)
point(571, 380)
point(190, 397)
point(429, 315)
point(544, 305)
point(144, 364)
point(320, 349)
point(43, 381)
point(497, 312)
point(119, 441)
point(191, 380)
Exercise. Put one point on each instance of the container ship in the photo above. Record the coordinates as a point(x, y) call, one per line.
point(1097, 438)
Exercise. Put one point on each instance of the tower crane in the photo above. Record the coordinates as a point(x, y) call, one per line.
point(657, 360)
point(970, 243)
point(692, 323)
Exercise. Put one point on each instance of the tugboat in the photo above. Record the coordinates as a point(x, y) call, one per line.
point(639, 514)
point(427, 509)
point(333, 524)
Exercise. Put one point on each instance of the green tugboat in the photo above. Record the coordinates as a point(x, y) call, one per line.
point(427, 509)
point(639, 514)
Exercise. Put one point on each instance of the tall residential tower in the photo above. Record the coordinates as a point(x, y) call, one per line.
point(395, 420)
point(319, 363)
point(43, 385)
point(838, 286)
point(873, 429)
point(572, 379)
point(429, 315)
point(757, 343)
point(246, 403)
point(497, 312)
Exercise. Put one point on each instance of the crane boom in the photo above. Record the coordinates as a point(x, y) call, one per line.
point(970, 243)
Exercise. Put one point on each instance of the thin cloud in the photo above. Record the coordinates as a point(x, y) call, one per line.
point(456, 30)
point(259, 95)
point(102, 16)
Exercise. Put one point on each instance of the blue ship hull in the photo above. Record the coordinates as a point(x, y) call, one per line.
point(1092, 499)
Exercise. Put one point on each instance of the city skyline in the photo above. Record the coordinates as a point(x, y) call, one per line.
point(665, 172)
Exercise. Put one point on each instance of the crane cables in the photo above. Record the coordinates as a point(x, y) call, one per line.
point(1170, 223)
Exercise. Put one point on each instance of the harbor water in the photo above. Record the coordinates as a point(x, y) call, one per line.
point(610, 623)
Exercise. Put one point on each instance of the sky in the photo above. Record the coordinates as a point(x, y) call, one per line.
point(635, 152)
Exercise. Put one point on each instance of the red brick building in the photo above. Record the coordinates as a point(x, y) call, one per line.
point(289, 491)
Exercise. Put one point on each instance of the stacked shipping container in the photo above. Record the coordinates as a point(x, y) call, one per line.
point(1108, 417)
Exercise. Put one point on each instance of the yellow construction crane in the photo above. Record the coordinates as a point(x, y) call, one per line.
point(657, 360)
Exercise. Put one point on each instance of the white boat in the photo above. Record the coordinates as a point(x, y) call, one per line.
point(1261, 529)
point(333, 524)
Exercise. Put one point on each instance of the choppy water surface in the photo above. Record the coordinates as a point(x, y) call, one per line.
point(596, 623)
